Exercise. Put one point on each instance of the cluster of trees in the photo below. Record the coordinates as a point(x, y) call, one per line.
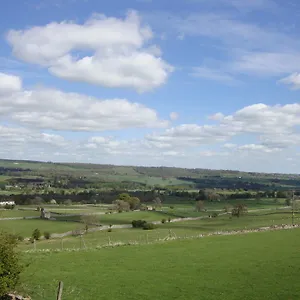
point(125, 202)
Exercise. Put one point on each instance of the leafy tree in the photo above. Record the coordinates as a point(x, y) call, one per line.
point(239, 210)
point(10, 267)
point(36, 234)
point(124, 197)
point(134, 202)
point(199, 205)
point(288, 202)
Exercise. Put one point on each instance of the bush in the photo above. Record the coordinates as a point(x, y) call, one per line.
point(149, 226)
point(109, 230)
point(138, 223)
point(47, 235)
point(169, 220)
point(20, 238)
point(36, 234)
point(214, 215)
point(8, 206)
point(163, 221)
point(10, 267)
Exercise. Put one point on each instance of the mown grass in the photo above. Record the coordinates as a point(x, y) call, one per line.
point(254, 266)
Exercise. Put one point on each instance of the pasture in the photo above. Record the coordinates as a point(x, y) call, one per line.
point(254, 266)
point(169, 229)
point(26, 227)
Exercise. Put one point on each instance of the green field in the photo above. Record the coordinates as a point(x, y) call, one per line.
point(253, 266)
point(5, 213)
point(26, 227)
point(181, 229)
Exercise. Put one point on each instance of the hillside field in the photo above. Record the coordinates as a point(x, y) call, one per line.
point(253, 266)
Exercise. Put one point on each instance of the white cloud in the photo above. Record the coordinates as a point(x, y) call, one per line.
point(293, 80)
point(256, 147)
point(9, 84)
point(120, 57)
point(263, 121)
point(57, 110)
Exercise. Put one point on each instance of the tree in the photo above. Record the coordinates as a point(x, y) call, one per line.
point(88, 220)
point(36, 234)
point(288, 202)
point(10, 267)
point(239, 210)
point(121, 205)
point(124, 196)
point(134, 202)
point(199, 205)
point(157, 202)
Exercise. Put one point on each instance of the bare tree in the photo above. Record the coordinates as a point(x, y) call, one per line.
point(121, 205)
point(89, 220)
point(239, 210)
point(157, 202)
point(199, 205)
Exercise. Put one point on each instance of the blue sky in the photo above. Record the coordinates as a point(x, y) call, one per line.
point(211, 84)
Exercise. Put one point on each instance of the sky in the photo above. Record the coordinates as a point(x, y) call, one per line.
point(185, 83)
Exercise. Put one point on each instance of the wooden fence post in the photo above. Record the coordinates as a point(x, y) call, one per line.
point(60, 290)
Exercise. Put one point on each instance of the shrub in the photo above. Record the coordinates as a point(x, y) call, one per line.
point(109, 230)
point(214, 215)
point(10, 267)
point(149, 226)
point(36, 234)
point(138, 223)
point(163, 221)
point(47, 235)
point(20, 238)
point(169, 220)
point(8, 206)
point(171, 207)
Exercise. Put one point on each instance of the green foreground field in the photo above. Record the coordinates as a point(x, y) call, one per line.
point(253, 266)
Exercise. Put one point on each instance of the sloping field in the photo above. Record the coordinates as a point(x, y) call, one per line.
point(253, 266)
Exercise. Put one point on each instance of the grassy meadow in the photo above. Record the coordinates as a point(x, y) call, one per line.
point(254, 266)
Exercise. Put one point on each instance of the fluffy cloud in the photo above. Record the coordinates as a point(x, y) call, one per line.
point(9, 84)
point(121, 55)
point(273, 126)
point(57, 110)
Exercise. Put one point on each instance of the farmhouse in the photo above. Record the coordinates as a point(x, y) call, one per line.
point(3, 203)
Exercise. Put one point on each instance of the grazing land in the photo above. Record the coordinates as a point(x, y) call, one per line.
point(253, 266)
